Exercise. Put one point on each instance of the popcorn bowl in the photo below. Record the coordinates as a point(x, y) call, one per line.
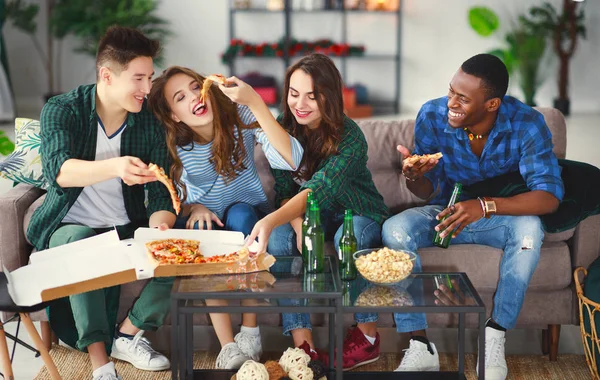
point(384, 266)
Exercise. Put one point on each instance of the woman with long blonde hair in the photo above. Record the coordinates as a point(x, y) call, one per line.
point(211, 142)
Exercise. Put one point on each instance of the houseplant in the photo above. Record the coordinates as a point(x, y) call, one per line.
point(86, 20)
point(89, 20)
point(563, 30)
point(523, 51)
point(6, 146)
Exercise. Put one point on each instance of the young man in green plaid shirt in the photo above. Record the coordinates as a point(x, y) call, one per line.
point(96, 144)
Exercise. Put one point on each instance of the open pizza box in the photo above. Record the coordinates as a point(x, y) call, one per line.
point(104, 260)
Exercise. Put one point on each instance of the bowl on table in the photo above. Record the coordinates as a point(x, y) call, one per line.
point(384, 266)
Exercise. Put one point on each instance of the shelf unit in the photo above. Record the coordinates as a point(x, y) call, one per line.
point(392, 105)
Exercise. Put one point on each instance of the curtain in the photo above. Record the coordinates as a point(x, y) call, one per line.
point(7, 111)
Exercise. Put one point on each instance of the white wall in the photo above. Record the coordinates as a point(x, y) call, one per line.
point(436, 40)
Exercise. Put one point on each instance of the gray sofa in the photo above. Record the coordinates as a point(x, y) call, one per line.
point(550, 301)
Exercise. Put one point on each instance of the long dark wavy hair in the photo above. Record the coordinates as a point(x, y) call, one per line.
point(323, 141)
point(228, 151)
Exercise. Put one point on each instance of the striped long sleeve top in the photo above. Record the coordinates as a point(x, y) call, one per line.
point(205, 186)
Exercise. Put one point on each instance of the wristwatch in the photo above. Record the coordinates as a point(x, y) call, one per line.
point(490, 206)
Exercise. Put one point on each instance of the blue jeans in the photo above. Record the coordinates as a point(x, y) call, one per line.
point(520, 237)
point(283, 243)
point(239, 217)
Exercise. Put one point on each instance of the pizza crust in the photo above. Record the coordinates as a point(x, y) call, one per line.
point(415, 158)
point(208, 81)
point(164, 179)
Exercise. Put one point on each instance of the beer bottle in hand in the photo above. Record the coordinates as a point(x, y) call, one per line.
point(437, 239)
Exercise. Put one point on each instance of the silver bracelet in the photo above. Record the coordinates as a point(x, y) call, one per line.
point(482, 203)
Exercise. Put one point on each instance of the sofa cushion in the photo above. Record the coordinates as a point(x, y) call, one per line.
point(24, 165)
point(482, 265)
point(29, 213)
point(559, 236)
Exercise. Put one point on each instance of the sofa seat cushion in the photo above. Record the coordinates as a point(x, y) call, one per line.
point(482, 265)
point(559, 236)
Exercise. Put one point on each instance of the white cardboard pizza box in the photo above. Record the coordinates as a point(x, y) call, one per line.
point(103, 260)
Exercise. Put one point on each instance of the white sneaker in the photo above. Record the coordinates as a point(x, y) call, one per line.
point(249, 344)
point(107, 376)
point(139, 353)
point(106, 372)
point(495, 363)
point(231, 357)
point(418, 358)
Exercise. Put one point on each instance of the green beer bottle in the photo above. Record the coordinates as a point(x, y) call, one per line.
point(314, 241)
point(347, 248)
point(437, 239)
point(309, 199)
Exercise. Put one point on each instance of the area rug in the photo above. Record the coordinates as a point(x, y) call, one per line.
point(75, 365)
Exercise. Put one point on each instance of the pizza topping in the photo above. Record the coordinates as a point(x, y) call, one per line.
point(415, 158)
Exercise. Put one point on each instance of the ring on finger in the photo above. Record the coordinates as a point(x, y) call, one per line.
point(453, 209)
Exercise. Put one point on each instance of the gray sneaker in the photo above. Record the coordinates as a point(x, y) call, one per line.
point(231, 357)
point(249, 344)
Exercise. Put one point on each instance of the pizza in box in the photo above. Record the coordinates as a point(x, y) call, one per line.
point(187, 251)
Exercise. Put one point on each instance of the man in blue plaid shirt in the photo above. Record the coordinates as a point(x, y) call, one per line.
point(482, 134)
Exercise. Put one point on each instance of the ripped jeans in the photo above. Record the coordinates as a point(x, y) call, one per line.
point(520, 237)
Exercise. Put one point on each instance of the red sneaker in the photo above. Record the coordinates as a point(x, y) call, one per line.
point(358, 350)
point(306, 347)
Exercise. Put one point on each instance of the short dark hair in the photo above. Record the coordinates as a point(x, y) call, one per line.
point(492, 72)
point(121, 45)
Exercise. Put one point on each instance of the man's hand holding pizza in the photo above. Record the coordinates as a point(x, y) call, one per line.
point(414, 167)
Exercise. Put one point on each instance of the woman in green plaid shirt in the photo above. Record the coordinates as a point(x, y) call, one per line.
point(334, 168)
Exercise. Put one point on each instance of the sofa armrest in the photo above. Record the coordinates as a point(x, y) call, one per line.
point(586, 242)
point(14, 249)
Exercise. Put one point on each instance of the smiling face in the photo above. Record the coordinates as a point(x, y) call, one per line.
point(302, 101)
point(467, 104)
point(183, 96)
point(129, 87)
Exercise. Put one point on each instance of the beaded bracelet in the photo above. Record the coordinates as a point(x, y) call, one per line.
point(409, 178)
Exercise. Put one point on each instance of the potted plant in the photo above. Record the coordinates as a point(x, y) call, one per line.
point(6, 146)
point(89, 20)
point(523, 51)
point(563, 30)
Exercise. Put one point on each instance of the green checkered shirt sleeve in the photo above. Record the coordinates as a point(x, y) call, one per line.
point(56, 126)
point(285, 186)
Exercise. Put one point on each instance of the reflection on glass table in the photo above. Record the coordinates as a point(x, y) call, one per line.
point(420, 289)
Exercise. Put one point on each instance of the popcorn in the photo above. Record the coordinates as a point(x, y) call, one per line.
point(385, 266)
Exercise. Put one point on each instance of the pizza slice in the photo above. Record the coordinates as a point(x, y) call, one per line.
point(208, 81)
point(164, 179)
point(415, 158)
point(175, 251)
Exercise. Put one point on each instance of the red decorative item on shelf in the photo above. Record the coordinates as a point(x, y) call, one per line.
point(268, 94)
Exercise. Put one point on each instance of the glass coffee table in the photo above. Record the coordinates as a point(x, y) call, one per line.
point(285, 289)
point(415, 294)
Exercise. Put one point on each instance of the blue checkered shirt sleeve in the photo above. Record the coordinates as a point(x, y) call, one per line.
point(538, 164)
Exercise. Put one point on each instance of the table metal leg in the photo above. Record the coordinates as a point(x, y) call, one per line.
point(332, 321)
point(189, 349)
point(182, 346)
point(339, 339)
point(174, 340)
point(481, 350)
point(461, 344)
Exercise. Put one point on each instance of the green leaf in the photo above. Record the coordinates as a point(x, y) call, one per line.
point(483, 20)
